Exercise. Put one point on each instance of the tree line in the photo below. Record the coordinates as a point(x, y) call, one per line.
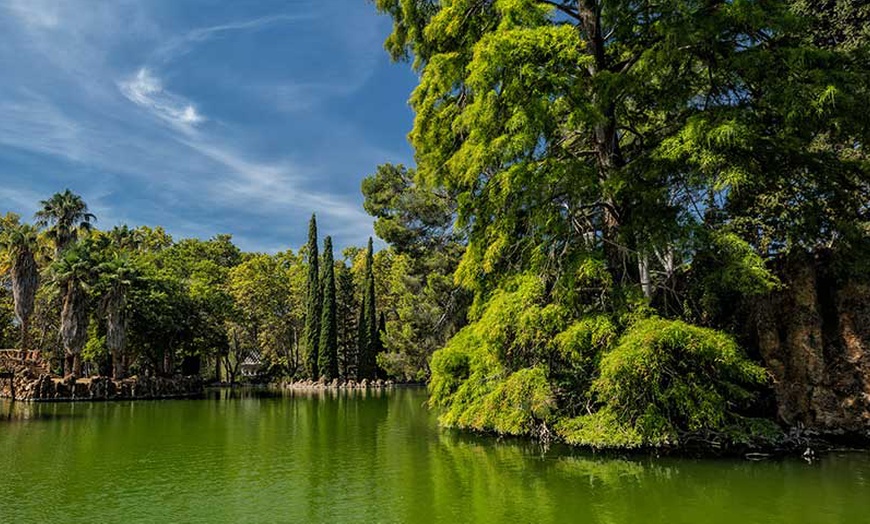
point(136, 301)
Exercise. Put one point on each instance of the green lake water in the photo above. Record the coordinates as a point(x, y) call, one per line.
point(249, 456)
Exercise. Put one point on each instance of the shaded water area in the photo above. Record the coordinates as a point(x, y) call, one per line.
point(357, 456)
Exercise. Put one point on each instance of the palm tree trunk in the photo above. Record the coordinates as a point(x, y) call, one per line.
point(117, 365)
point(77, 365)
point(74, 326)
point(25, 281)
point(116, 332)
point(25, 342)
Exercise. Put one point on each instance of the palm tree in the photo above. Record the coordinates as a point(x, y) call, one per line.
point(116, 275)
point(65, 215)
point(19, 241)
point(72, 273)
point(124, 238)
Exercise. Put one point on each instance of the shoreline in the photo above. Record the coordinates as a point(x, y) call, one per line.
point(806, 444)
point(49, 388)
point(337, 384)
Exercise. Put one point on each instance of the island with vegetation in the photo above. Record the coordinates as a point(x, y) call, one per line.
point(630, 225)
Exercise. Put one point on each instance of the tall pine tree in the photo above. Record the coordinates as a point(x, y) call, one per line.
point(315, 302)
point(328, 362)
point(369, 340)
point(362, 343)
point(346, 307)
point(379, 343)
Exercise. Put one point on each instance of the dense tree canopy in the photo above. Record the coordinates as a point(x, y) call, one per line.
point(615, 161)
point(132, 301)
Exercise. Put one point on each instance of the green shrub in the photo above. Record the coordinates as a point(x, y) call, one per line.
point(473, 391)
point(518, 404)
point(577, 357)
point(490, 376)
point(520, 364)
point(666, 378)
point(602, 429)
point(586, 338)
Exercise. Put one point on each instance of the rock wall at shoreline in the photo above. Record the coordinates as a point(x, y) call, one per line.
point(814, 337)
point(33, 382)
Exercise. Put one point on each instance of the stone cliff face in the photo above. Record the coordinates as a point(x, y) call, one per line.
point(814, 337)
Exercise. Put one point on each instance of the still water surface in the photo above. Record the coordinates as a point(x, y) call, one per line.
point(249, 456)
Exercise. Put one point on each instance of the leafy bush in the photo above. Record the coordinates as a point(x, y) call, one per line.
point(577, 357)
point(664, 379)
point(521, 364)
point(518, 403)
point(489, 377)
point(602, 429)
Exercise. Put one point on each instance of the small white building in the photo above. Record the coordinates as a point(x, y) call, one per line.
point(252, 365)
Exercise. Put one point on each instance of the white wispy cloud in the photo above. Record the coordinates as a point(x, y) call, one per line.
point(37, 13)
point(94, 88)
point(178, 46)
point(24, 200)
point(31, 122)
point(146, 90)
point(277, 186)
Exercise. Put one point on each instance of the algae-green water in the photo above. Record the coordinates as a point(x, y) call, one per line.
point(255, 456)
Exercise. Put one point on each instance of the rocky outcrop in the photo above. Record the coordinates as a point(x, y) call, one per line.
point(45, 387)
point(32, 381)
point(814, 337)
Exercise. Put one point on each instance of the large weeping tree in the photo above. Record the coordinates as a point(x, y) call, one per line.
point(618, 159)
point(585, 134)
point(19, 241)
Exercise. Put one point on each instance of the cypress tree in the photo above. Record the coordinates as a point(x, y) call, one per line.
point(379, 343)
point(371, 316)
point(328, 362)
point(361, 341)
point(345, 298)
point(312, 319)
point(382, 329)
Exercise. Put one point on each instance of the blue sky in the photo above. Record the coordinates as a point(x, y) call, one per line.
point(203, 116)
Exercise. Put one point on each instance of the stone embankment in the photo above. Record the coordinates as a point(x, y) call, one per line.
point(339, 384)
point(32, 381)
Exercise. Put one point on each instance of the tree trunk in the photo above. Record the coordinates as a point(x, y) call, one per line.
point(643, 271)
point(74, 326)
point(77, 365)
point(116, 329)
point(605, 140)
point(25, 336)
point(25, 282)
point(117, 365)
point(167, 363)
